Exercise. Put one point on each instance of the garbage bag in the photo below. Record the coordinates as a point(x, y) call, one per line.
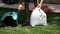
point(10, 18)
point(38, 17)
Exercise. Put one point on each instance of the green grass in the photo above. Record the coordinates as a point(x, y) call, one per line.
point(53, 26)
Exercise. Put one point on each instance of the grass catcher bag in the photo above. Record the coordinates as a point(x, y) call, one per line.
point(10, 18)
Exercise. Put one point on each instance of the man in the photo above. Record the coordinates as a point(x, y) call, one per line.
point(27, 7)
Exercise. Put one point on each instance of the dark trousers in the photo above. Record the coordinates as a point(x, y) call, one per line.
point(27, 10)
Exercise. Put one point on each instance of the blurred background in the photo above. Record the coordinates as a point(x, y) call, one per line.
point(50, 7)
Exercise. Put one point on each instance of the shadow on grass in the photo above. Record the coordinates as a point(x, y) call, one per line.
point(53, 18)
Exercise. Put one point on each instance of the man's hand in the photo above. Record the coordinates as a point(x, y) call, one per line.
point(39, 5)
point(20, 7)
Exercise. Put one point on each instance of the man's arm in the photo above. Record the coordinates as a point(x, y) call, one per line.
point(40, 4)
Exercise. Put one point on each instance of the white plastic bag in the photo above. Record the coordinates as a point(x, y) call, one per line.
point(38, 17)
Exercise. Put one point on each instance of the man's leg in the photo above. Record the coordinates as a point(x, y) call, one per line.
point(27, 13)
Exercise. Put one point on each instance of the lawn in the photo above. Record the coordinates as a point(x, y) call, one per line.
point(53, 26)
